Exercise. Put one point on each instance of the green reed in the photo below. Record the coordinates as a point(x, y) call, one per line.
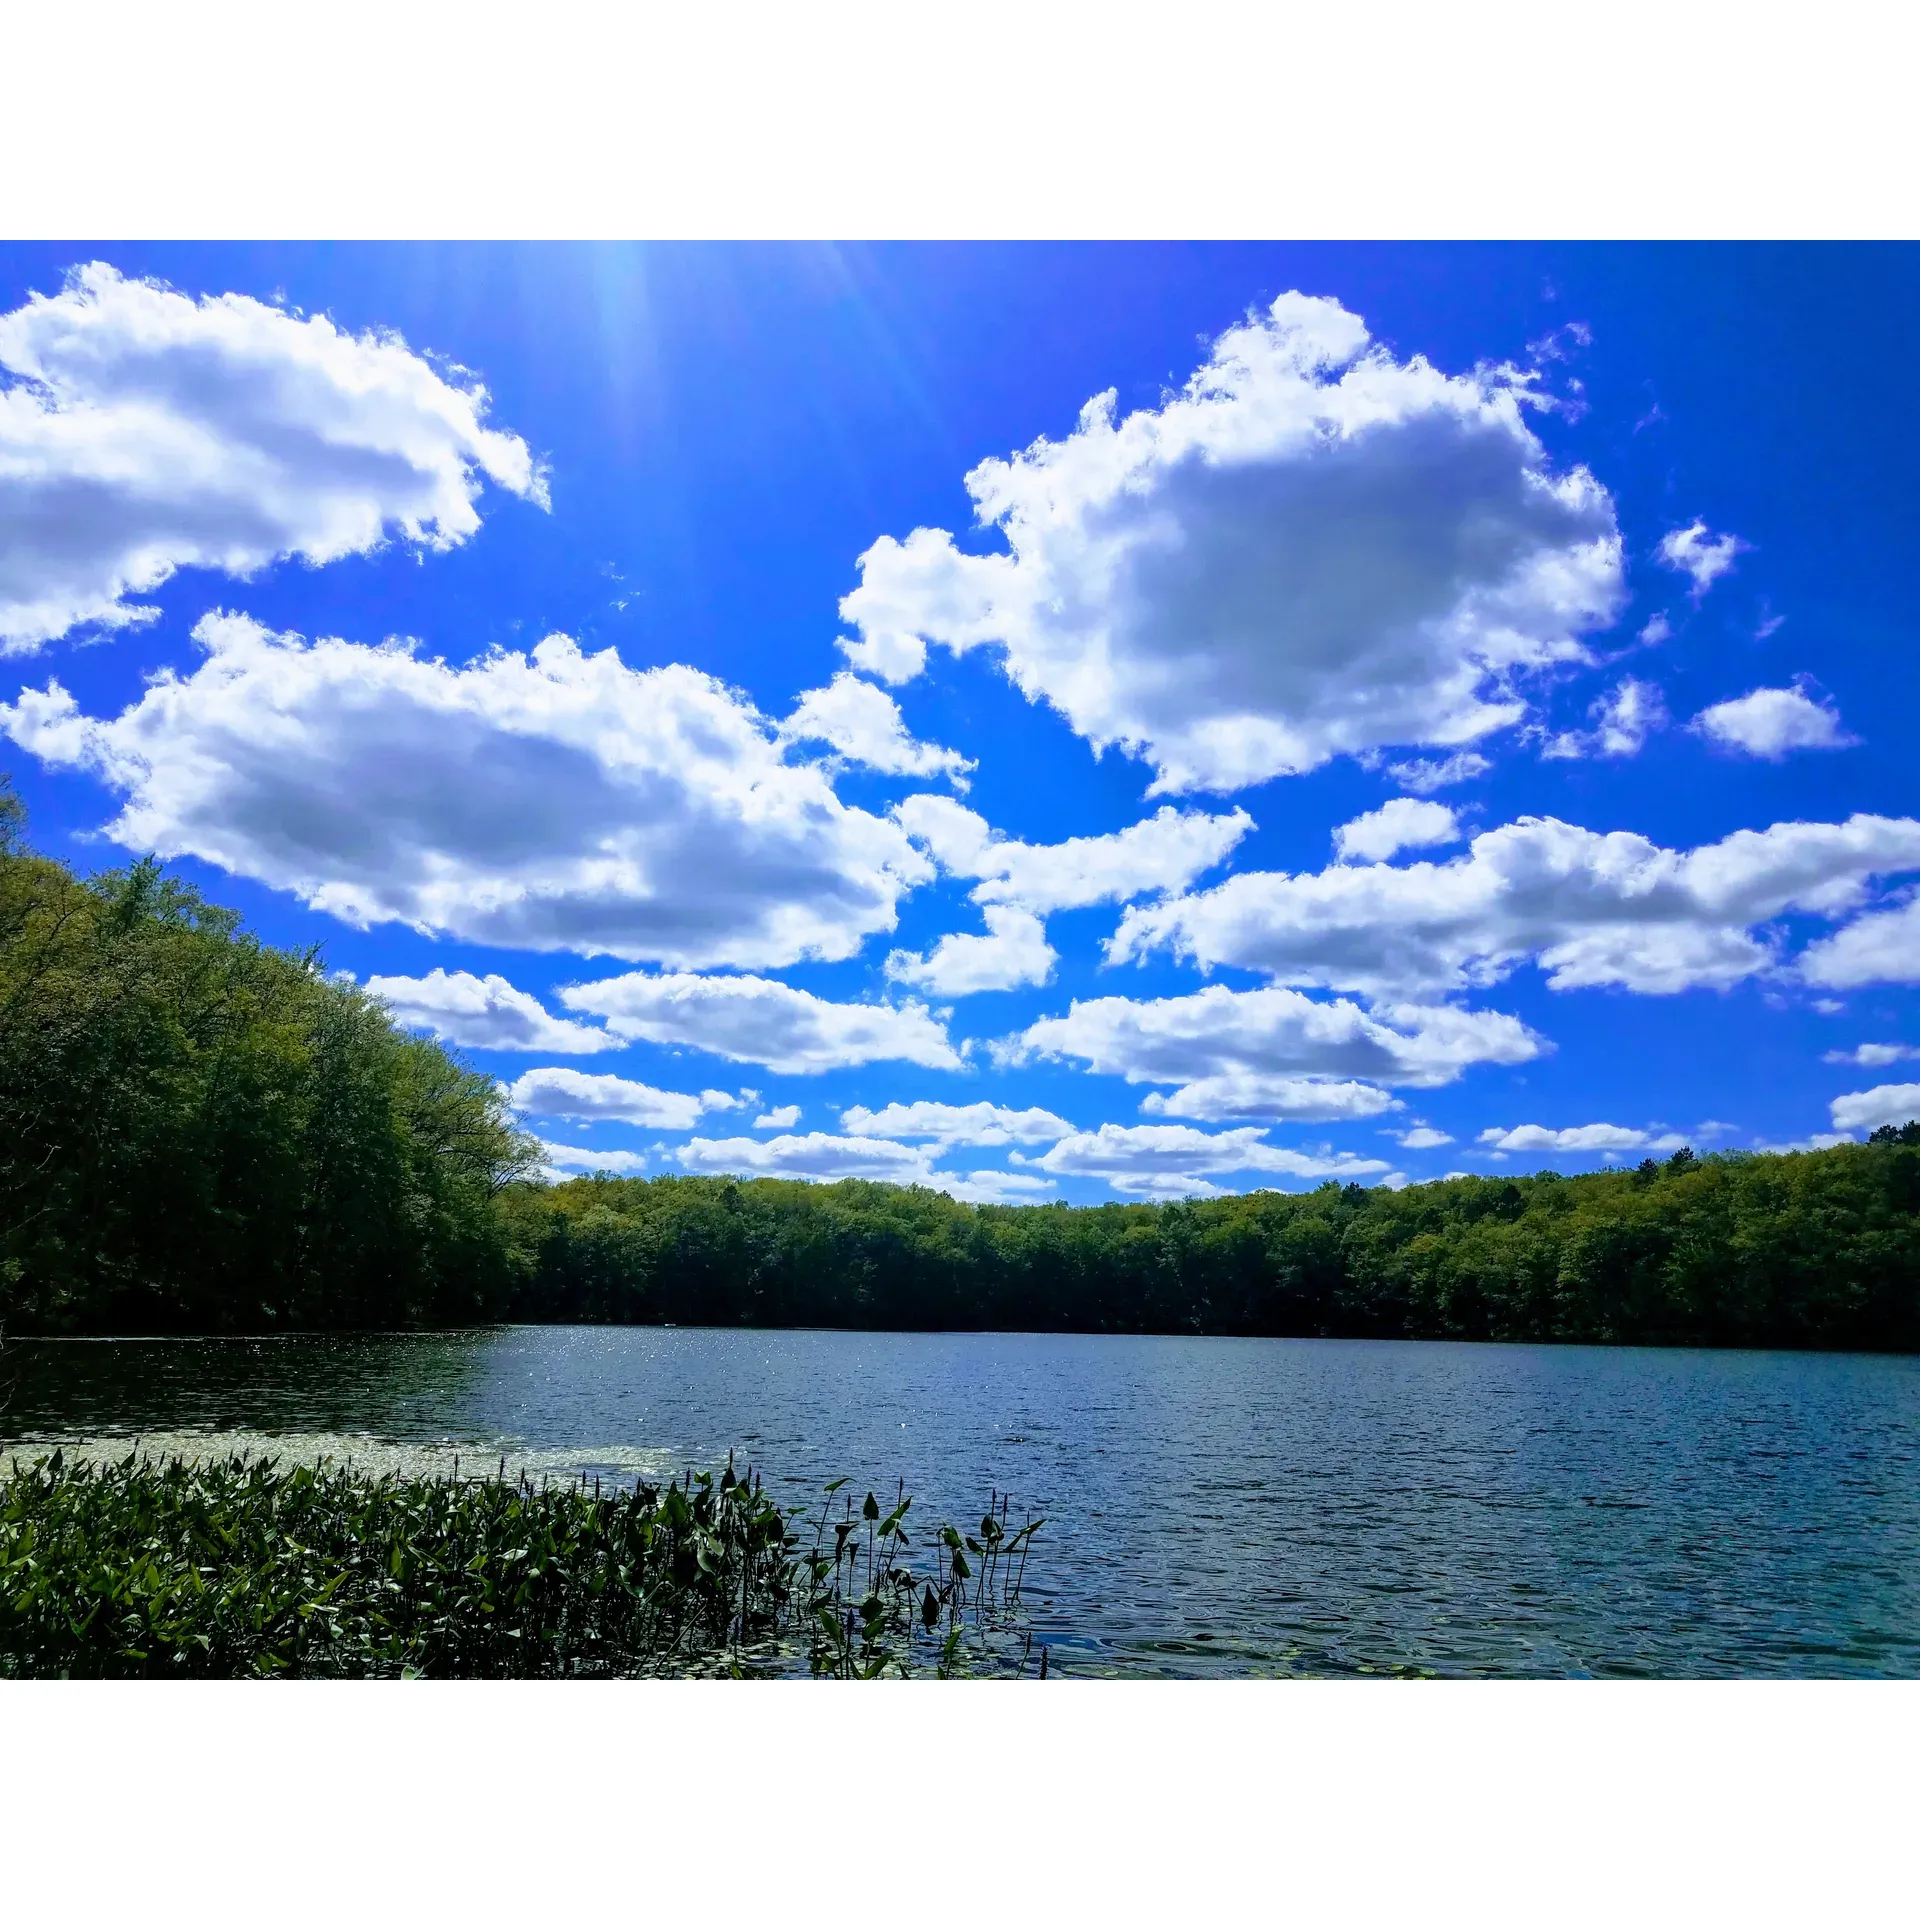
point(235, 1569)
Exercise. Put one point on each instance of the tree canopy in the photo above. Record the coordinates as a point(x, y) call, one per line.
point(1811, 1249)
point(200, 1132)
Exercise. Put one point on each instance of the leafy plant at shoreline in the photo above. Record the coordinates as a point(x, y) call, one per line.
point(865, 1610)
point(234, 1569)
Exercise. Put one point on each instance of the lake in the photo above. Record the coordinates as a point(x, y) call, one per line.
point(1214, 1507)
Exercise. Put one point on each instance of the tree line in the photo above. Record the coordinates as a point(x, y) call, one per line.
point(201, 1133)
point(1800, 1250)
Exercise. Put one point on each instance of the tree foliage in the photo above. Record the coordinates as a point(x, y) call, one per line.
point(198, 1131)
point(1810, 1249)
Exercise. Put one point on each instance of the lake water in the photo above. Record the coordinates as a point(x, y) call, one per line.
point(1214, 1506)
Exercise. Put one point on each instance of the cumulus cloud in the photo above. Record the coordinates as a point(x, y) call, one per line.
point(1814, 1143)
point(1272, 1053)
point(1771, 722)
point(1590, 909)
point(489, 1012)
point(1013, 952)
point(1161, 854)
point(1702, 556)
point(1312, 549)
point(142, 431)
point(989, 1186)
point(805, 1156)
point(779, 1119)
point(557, 801)
point(863, 724)
point(1595, 1138)
point(1890, 1106)
point(1020, 882)
point(1381, 834)
point(1422, 1137)
point(764, 1022)
point(563, 1093)
point(825, 1157)
point(1871, 1053)
point(980, 1125)
point(1622, 720)
point(1883, 946)
point(1429, 776)
point(567, 1163)
point(1269, 1096)
point(1175, 1162)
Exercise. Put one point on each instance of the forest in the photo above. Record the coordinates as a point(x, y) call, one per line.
point(200, 1133)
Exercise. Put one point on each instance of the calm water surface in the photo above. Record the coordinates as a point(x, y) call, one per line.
point(1215, 1506)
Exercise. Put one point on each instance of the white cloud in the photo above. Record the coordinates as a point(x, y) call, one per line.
point(1590, 909)
point(825, 1157)
point(1656, 630)
point(1271, 1052)
point(1269, 1096)
point(142, 431)
point(1871, 1053)
point(1595, 1138)
point(1171, 1162)
point(980, 1125)
point(989, 1187)
point(1381, 834)
point(1418, 1138)
point(564, 1093)
point(1891, 1106)
point(1311, 550)
point(765, 1022)
point(1815, 1143)
point(560, 801)
point(1161, 854)
point(1622, 720)
point(1771, 722)
point(1013, 952)
point(490, 1013)
point(1429, 776)
point(779, 1119)
point(1019, 883)
point(805, 1156)
point(566, 1163)
point(1702, 556)
point(1882, 946)
point(863, 724)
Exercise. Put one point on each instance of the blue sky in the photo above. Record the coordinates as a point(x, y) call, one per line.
point(1572, 581)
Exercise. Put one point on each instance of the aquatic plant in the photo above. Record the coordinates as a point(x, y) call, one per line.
point(235, 1569)
point(869, 1608)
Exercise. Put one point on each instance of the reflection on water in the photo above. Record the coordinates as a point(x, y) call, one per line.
point(1215, 1506)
